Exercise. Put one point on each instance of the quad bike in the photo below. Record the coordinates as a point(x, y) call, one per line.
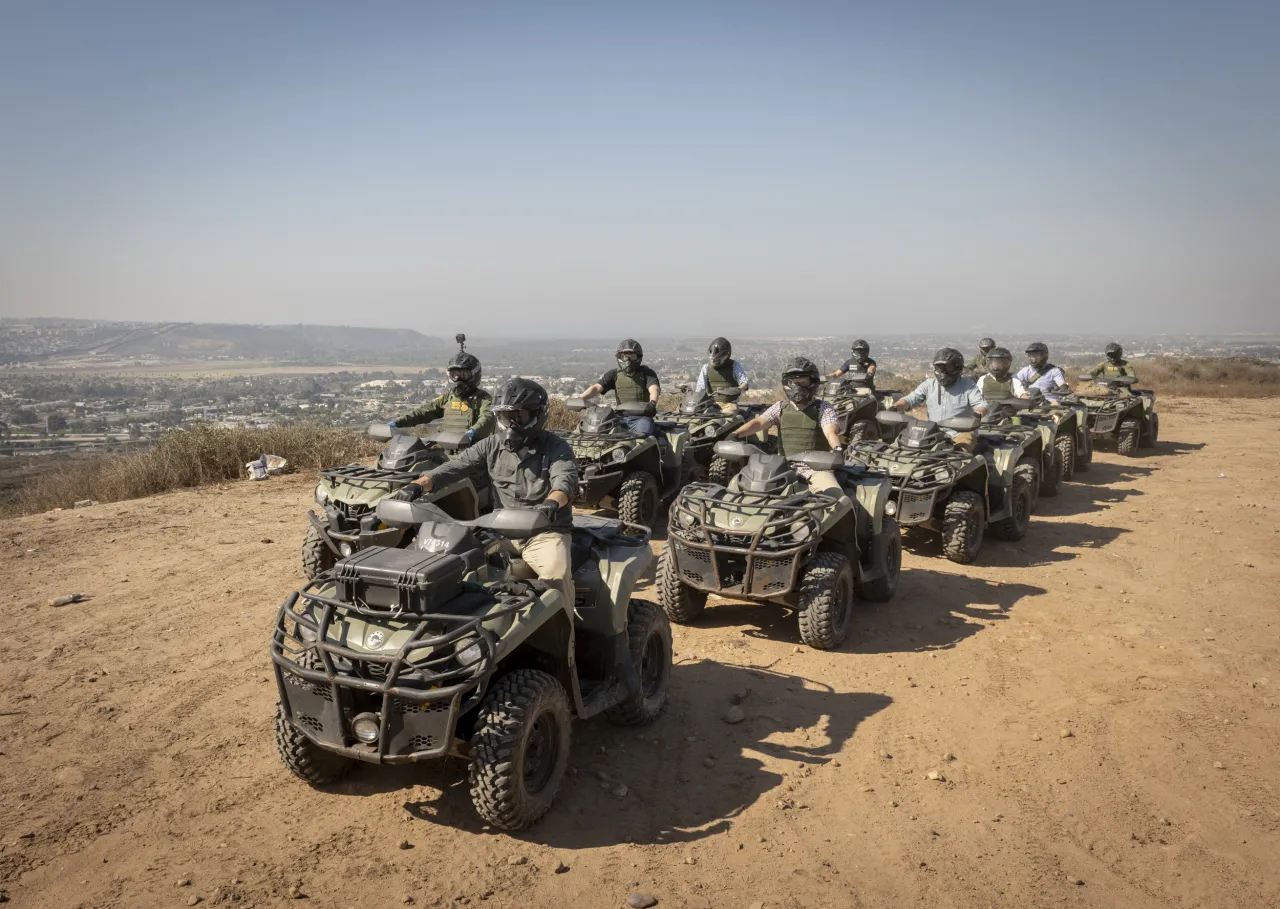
point(618, 467)
point(449, 648)
point(1018, 421)
point(1071, 416)
point(856, 404)
point(767, 537)
point(1124, 413)
point(708, 425)
point(939, 487)
point(349, 494)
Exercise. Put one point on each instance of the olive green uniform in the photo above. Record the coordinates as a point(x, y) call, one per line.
point(460, 414)
point(978, 364)
point(1111, 369)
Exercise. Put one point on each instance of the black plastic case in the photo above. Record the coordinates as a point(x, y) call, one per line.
point(403, 580)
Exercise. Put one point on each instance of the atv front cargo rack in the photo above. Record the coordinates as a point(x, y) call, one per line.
point(764, 562)
point(416, 691)
point(367, 477)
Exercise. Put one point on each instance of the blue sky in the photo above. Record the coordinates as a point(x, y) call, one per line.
point(608, 168)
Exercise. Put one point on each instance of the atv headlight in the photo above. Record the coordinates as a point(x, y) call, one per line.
point(943, 474)
point(709, 432)
point(470, 655)
point(685, 519)
point(365, 727)
point(322, 493)
point(890, 508)
point(345, 549)
point(619, 454)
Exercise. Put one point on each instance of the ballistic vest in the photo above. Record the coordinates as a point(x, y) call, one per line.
point(720, 379)
point(1112, 369)
point(459, 413)
point(629, 389)
point(799, 430)
point(994, 390)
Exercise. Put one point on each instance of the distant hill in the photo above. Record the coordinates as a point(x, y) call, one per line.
point(52, 340)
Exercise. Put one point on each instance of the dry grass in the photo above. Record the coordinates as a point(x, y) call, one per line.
point(1210, 377)
point(183, 458)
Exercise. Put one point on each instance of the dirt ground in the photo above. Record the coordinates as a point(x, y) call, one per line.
point(1099, 700)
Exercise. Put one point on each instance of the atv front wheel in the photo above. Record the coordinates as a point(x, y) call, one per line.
point(1051, 479)
point(316, 554)
point(638, 499)
point(305, 759)
point(1127, 438)
point(520, 749)
point(1015, 526)
point(963, 525)
point(721, 471)
point(1067, 453)
point(886, 556)
point(864, 431)
point(682, 603)
point(1153, 432)
point(649, 635)
point(1029, 468)
point(826, 601)
point(1084, 453)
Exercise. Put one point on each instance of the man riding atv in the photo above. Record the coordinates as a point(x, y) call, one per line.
point(804, 423)
point(529, 468)
point(978, 365)
point(466, 407)
point(723, 376)
point(1039, 372)
point(948, 394)
point(998, 384)
point(1114, 365)
point(860, 362)
point(631, 382)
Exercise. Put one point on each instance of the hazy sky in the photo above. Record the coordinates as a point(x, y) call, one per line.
point(644, 168)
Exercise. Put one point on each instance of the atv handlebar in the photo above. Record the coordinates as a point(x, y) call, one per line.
point(732, 450)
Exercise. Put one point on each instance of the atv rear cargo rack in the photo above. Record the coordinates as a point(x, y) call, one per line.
point(764, 562)
point(417, 701)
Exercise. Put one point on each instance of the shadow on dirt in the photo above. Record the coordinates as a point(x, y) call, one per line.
point(686, 777)
point(1166, 447)
point(1042, 545)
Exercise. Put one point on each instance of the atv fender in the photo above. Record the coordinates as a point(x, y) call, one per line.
point(615, 574)
point(1003, 458)
point(871, 494)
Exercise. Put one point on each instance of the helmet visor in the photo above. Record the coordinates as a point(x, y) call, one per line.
point(999, 366)
point(459, 374)
point(515, 418)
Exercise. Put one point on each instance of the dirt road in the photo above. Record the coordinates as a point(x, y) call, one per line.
point(1100, 703)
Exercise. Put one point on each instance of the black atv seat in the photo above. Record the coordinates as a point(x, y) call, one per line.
point(588, 530)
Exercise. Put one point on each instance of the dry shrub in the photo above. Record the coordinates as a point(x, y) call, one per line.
point(188, 457)
point(1210, 377)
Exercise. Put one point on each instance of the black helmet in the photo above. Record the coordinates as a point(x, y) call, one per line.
point(798, 392)
point(465, 372)
point(629, 345)
point(719, 351)
point(521, 411)
point(1006, 360)
point(860, 346)
point(1114, 351)
point(984, 345)
point(1038, 352)
point(948, 364)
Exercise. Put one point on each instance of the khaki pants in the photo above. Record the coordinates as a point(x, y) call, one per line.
point(728, 407)
point(548, 555)
point(824, 481)
point(966, 441)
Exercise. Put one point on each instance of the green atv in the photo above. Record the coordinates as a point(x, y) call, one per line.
point(1074, 440)
point(1017, 420)
point(708, 425)
point(619, 468)
point(450, 648)
point(767, 537)
point(939, 487)
point(1124, 413)
point(856, 404)
point(348, 496)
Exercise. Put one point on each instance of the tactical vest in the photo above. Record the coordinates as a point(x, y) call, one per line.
point(629, 389)
point(1112, 370)
point(994, 390)
point(459, 413)
point(720, 380)
point(799, 430)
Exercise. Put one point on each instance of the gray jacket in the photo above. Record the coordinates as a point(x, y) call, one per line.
point(522, 479)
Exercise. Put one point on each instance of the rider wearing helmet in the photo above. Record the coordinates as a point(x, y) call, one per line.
point(805, 423)
point(978, 365)
point(465, 407)
point(999, 384)
point(630, 382)
point(723, 376)
point(948, 393)
point(529, 468)
point(1039, 372)
point(860, 360)
point(1114, 365)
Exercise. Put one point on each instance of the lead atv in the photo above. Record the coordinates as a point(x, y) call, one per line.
point(856, 404)
point(766, 537)
point(941, 488)
point(619, 468)
point(348, 495)
point(1123, 413)
point(449, 648)
point(707, 425)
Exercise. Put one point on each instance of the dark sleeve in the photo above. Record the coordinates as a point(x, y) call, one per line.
point(870, 362)
point(472, 461)
point(608, 381)
point(433, 410)
point(847, 364)
point(651, 378)
point(563, 469)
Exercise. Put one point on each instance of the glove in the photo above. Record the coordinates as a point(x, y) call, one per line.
point(839, 449)
point(468, 437)
point(651, 409)
point(551, 510)
point(408, 493)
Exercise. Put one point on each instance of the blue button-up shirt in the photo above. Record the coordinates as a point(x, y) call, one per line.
point(943, 403)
